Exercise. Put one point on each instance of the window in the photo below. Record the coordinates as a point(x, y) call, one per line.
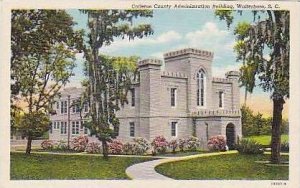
point(174, 128)
point(54, 125)
point(65, 107)
point(63, 128)
point(75, 127)
point(50, 129)
point(132, 97)
point(57, 105)
point(132, 129)
point(201, 88)
point(57, 125)
point(73, 106)
point(61, 107)
point(221, 99)
point(173, 96)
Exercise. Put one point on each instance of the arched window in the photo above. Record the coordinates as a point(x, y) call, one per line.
point(201, 78)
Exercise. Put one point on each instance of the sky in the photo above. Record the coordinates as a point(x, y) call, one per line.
point(177, 29)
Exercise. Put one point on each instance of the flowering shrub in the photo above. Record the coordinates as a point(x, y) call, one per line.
point(115, 147)
point(128, 148)
point(192, 143)
point(159, 144)
point(79, 143)
point(93, 147)
point(248, 146)
point(173, 145)
point(182, 144)
point(217, 143)
point(47, 144)
point(61, 145)
point(140, 146)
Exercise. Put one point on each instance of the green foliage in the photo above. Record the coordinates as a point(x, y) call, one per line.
point(285, 147)
point(34, 124)
point(248, 146)
point(110, 78)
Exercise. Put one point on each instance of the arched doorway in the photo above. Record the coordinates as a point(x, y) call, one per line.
point(230, 136)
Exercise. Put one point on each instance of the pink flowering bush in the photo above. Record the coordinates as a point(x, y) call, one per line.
point(181, 144)
point(140, 146)
point(93, 147)
point(192, 143)
point(128, 148)
point(115, 147)
point(159, 145)
point(217, 143)
point(173, 144)
point(47, 144)
point(79, 143)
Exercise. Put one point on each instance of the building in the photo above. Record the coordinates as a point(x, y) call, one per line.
point(181, 100)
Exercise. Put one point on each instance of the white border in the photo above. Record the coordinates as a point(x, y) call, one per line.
point(294, 118)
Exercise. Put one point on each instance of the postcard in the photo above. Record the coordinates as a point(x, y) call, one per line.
point(150, 93)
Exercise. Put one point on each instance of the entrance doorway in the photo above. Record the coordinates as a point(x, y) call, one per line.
point(230, 136)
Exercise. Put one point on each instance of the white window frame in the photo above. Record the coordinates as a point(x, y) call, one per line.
point(175, 97)
point(198, 94)
point(176, 128)
point(221, 98)
point(131, 124)
point(75, 127)
point(63, 128)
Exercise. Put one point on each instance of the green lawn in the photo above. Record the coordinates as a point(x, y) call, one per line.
point(49, 166)
point(227, 167)
point(266, 139)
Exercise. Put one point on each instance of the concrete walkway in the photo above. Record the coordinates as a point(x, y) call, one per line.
point(146, 170)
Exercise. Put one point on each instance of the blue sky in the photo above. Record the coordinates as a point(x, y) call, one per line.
point(176, 29)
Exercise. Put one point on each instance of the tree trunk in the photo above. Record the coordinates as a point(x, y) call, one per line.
point(28, 147)
point(276, 124)
point(105, 149)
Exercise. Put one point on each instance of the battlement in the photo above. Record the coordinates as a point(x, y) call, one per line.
point(222, 80)
point(216, 113)
point(174, 74)
point(189, 51)
point(149, 62)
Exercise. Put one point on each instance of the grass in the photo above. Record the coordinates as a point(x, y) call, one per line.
point(226, 167)
point(266, 139)
point(181, 153)
point(49, 166)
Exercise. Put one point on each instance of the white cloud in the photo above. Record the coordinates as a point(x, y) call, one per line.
point(220, 71)
point(161, 39)
point(210, 37)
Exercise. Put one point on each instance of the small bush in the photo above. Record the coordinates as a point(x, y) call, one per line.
point(285, 146)
point(79, 143)
point(217, 143)
point(248, 146)
point(93, 147)
point(182, 144)
point(140, 146)
point(173, 144)
point(192, 143)
point(47, 144)
point(61, 145)
point(115, 147)
point(128, 148)
point(159, 144)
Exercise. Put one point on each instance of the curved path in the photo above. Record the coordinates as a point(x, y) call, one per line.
point(146, 170)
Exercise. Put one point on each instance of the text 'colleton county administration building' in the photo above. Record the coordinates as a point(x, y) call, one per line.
point(182, 100)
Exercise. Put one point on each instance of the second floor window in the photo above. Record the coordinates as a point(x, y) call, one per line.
point(201, 88)
point(64, 107)
point(173, 96)
point(132, 97)
point(221, 99)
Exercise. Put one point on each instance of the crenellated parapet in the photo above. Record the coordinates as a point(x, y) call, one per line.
point(216, 113)
point(149, 62)
point(189, 51)
point(173, 74)
point(221, 80)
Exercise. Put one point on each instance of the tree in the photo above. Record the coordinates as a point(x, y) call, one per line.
point(107, 85)
point(268, 34)
point(43, 45)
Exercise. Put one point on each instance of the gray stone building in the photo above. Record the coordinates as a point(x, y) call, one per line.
point(181, 100)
